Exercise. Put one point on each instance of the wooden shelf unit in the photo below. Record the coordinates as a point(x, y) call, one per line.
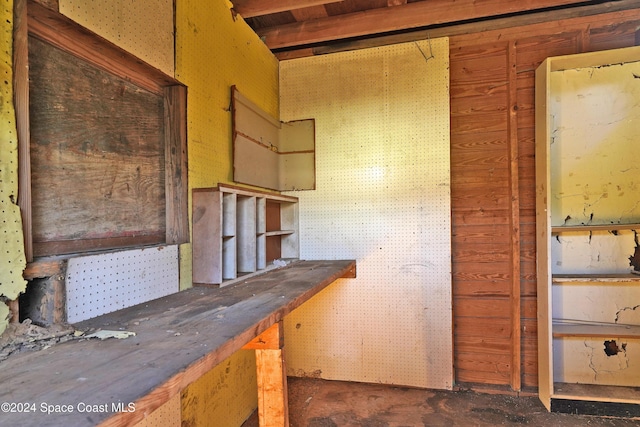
point(237, 232)
point(559, 325)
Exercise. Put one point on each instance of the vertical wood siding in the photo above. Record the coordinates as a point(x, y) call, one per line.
point(487, 267)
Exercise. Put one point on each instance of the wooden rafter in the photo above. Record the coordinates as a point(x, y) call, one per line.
point(401, 17)
point(250, 8)
point(309, 13)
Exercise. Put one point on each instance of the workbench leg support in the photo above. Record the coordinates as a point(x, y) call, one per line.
point(273, 408)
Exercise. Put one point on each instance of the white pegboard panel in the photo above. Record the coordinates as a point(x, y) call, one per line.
point(382, 198)
point(102, 283)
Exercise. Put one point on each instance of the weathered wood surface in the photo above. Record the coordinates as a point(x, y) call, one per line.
point(112, 101)
point(97, 152)
point(178, 339)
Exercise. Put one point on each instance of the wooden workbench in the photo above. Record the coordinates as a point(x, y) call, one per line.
point(178, 339)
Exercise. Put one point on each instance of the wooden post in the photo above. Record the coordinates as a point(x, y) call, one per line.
point(273, 407)
point(516, 309)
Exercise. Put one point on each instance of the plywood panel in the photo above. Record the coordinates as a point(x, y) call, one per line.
point(97, 154)
point(378, 202)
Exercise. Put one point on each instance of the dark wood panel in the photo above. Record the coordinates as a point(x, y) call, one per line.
point(476, 376)
point(482, 344)
point(482, 141)
point(481, 253)
point(481, 234)
point(531, 51)
point(496, 287)
point(474, 327)
point(481, 288)
point(481, 307)
point(529, 307)
point(478, 122)
point(481, 270)
point(614, 35)
point(491, 199)
point(474, 104)
point(478, 159)
point(488, 363)
point(464, 219)
point(176, 164)
point(97, 152)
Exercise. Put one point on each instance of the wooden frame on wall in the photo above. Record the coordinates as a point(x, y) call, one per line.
point(34, 20)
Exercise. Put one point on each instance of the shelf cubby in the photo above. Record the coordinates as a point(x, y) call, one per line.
point(238, 232)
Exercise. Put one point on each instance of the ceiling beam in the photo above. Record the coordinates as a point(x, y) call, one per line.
point(309, 13)
point(559, 16)
point(251, 8)
point(402, 17)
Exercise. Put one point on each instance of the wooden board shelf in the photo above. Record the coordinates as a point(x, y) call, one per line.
point(279, 232)
point(178, 338)
point(592, 392)
point(567, 330)
point(556, 229)
point(581, 278)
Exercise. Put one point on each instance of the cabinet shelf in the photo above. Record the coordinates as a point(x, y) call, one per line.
point(582, 278)
point(557, 229)
point(281, 233)
point(593, 392)
point(568, 330)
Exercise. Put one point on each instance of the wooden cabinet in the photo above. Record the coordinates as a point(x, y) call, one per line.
point(268, 153)
point(239, 232)
point(587, 218)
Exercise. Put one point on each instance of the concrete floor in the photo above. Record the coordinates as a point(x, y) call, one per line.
point(321, 403)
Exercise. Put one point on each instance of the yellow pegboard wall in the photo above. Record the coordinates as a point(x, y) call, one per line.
point(167, 415)
point(12, 260)
point(382, 198)
point(143, 28)
point(214, 51)
point(225, 396)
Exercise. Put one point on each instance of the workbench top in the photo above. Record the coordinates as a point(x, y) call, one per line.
point(178, 338)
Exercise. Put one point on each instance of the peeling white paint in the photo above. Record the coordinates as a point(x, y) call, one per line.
point(595, 180)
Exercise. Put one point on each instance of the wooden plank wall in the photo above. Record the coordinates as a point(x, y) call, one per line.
point(493, 188)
